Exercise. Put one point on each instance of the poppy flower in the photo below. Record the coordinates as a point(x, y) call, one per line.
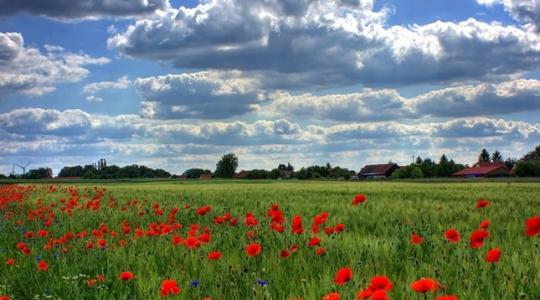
point(91, 282)
point(484, 224)
point(126, 275)
point(285, 253)
point(192, 243)
point(214, 255)
point(320, 251)
point(452, 235)
point(331, 296)
point(100, 278)
point(359, 198)
point(10, 261)
point(447, 297)
point(203, 210)
point(379, 295)
point(296, 225)
point(493, 255)
point(477, 238)
point(314, 241)
point(416, 239)
point(43, 266)
point(4, 297)
point(253, 249)
point(482, 203)
point(169, 287)
point(102, 243)
point(380, 283)
point(343, 275)
point(532, 226)
point(424, 285)
point(364, 294)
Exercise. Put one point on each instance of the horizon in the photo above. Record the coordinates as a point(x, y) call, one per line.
point(176, 84)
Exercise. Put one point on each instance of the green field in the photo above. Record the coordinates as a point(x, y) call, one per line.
point(375, 241)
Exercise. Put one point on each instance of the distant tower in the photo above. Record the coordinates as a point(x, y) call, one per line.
point(102, 164)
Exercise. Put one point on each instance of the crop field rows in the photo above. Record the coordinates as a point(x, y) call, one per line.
point(270, 240)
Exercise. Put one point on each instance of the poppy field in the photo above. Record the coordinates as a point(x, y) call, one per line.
point(270, 240)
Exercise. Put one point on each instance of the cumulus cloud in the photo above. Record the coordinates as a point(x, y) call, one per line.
point(526, 11)
point(94, 87)
point(378, 105)
point(320, 43)
point(201, 95)
point(33, 72)
point(81, 9)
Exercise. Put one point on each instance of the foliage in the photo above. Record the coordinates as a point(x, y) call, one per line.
point(533, 155)
point(196, 172)
point(226, 167)
point(39, 173)
point(484, 156)
point(528, 168)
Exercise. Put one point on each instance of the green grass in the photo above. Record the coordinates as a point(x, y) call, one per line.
point(376, 241)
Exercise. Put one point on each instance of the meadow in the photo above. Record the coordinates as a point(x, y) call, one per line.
point(122, 240)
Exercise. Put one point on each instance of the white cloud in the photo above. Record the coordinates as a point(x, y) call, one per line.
point(327, 43)
point(94, 99)
point(82, 9)
point(94, 87)
point(30, 71)
point(526, 11)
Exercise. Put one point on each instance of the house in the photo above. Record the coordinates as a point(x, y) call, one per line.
point(285, 174)
point(377, 171)
point(205, 176)
point(484, 169)
point(241, 175)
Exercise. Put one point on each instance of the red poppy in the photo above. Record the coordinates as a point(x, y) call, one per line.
point(416, 239)
point(340, 227)
point(169, 287)
point(452, 235)
point(493, 255)
point(10, 261)
point(364, 294)
point(253, 249)
point(314, 241)
point(320, 251)
point(192, 243)
point(296, 225)
point(4, 297)
point(359, 198)
point(285, 253)
point(203, 210)
point(447, 297)
point(484, 224)
point(331, 296)
point(214, 255)
point(91, 282)
point(126, 275)
point(380, 283)
point(482, 203)
point(424, 285)
point(102, 243)
point(477, 238)
point(43, 266)
point(343, 275)
point(100, 278)
point(379, 295)
point(532, 226)
point(177, 240)
point(277, 227)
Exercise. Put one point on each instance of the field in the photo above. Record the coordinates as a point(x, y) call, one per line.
point(73, 241)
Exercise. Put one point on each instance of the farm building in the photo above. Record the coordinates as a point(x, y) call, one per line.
point(241, 175)
point(377, 171)
point(205, 176)
point(484, 169)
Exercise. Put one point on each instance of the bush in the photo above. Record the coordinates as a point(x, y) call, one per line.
point(528, 168)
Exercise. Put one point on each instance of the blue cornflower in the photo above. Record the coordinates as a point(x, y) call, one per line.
point(195, 283)
point(262, 282)
point(38, 257)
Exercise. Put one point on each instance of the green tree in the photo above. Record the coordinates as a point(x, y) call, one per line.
point(533, 155)
point(226, 167)
point(196, 172)
point(484, 156)
point(496, 156)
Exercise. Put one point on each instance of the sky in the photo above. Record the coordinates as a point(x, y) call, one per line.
point(176, 84)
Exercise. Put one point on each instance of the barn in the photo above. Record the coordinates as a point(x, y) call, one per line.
point(484, 169)
point(377, 171)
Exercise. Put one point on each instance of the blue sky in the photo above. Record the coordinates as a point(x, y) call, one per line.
point(176, 84)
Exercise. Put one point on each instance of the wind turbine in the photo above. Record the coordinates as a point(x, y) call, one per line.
point(24, 167)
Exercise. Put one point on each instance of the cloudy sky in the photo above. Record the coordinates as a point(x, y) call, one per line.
point(176, 84)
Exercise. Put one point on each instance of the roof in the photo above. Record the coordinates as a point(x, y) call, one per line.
point(382, 169)
point(241, 174)
point(481, 169)
point(205, 176)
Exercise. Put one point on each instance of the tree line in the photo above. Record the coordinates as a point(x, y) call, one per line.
point(527, 166)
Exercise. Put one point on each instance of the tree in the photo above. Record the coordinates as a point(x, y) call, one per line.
point(274, 174)
point(38, 173)
point(226, 167)
point(528, 168)
point(533, 155)
point(510, 162)
point(496, 156)
point(196, 172)
point(484, 156)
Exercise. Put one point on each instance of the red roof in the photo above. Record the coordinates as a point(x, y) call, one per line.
point(481, 169)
